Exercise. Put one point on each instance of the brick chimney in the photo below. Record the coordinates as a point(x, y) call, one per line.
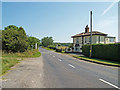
point(86, 29)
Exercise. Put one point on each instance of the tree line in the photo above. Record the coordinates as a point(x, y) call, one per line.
point(15, 39)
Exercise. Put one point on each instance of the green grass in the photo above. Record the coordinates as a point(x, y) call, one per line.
point(8, 63)
point(98, 60)
point(10, 59)
point(89, 59)
point(53, 50)
point(28, 53)
point(48, 49)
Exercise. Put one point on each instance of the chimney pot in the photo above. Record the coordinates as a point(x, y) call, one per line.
point(86, 29)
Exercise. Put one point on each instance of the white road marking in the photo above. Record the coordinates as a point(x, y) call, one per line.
point(59, 59)
point(53, 56)
point(109, 83)
point(71, 65)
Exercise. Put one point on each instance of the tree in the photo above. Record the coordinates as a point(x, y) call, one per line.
point(14, 39)
point(11, 27)
point(0, 39)
point(47, 41)
point(70, 45)
point(33, 40)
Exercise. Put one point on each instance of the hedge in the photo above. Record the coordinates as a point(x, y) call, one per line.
point(103, 51)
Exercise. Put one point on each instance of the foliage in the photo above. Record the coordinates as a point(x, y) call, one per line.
point(58, 50)
point(65, 44)
point(14, 39)
point(7, 63)
point(0, 39)
point(103, 51)
point(95, 60)
point(10, 59)
point(52, 47)
point(33, 41)
point(47, 41)
point(11, 27)
point(70, 45)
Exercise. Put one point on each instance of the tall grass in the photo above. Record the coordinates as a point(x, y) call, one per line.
point(10, 59)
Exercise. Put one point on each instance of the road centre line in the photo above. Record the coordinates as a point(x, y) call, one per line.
point(53, 56)
point(71, 65)
point(109, 83)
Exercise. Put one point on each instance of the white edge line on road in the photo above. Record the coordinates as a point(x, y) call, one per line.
point(71, 65)
point(109, 83)
point(59, 59)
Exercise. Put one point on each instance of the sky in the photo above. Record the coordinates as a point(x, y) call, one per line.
point(61, 20)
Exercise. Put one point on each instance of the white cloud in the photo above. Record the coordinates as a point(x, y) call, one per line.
point(110, 6)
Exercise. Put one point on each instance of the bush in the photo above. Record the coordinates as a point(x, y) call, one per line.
point(58, 50)
point(14, 39)
point(103, 51)
point(52, 47)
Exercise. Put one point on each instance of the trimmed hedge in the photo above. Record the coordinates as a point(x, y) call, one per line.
point(103, 51)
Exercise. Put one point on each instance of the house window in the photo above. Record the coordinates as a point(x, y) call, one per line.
point(99, 39)
point(85, 39)
point(82, 40)
point(77, 40)
point(111, 39)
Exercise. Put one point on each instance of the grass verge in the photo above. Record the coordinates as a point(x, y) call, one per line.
point(100, 61)
point(53, 50)
point(95, 60)
point(48, 49)
point(10, 59)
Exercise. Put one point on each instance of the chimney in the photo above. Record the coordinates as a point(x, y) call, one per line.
point(86, 29)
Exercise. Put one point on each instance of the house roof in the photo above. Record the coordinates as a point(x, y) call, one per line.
point(88, 34)
point(110, 37)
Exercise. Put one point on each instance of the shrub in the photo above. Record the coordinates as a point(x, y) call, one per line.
point(58, 50)
point(103, 51)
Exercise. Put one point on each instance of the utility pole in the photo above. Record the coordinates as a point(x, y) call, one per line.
point(90, 34)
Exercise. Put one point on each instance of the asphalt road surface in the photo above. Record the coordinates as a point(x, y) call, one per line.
point(62, 71)
point(55, 70)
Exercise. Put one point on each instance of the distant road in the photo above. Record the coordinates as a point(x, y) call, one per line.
point(61, 71)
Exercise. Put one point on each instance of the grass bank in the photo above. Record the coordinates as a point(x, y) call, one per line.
point(53, 50)
point(48, 49)
point(100, 61)
point(10, 59)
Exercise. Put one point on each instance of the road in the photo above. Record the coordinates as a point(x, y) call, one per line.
point(62, 71)
point(55, 70)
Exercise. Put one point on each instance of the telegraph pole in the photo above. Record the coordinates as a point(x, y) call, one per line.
point(90, 34)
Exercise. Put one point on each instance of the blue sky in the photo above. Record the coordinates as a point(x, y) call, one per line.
point(60, 20)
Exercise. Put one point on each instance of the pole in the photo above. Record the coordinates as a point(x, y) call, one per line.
point(90, 34)
point(32, 47)
point(35, 45)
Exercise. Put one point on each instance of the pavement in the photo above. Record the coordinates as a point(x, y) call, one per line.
point(26, 74)
point(55, 70)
